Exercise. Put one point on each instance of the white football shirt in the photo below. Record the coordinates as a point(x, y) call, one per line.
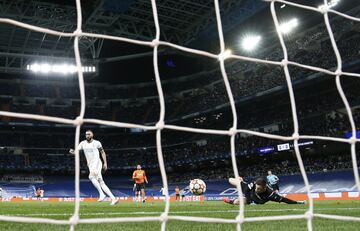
point(91, 151)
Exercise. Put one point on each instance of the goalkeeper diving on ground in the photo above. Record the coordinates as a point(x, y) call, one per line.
point(258, 192)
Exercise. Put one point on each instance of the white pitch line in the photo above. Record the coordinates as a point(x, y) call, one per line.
point(179, 212)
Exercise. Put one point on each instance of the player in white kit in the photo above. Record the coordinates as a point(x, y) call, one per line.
point(92, 149)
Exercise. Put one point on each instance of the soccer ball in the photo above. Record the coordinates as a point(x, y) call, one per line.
point(197, 187)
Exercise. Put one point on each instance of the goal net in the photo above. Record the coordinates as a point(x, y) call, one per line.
point(338, 73)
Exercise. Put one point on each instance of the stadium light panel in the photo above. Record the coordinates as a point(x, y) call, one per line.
point(289, 26)
point(250, 42)
point(330, 4)
point(64, 69)
point(35, 67)
point(45, 68)
point(333, 3)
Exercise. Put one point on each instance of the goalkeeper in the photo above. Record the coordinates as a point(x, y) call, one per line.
point(258, 192)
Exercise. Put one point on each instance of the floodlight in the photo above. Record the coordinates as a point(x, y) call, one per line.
point(288, 26)
point(45, 68)
point(250, 42)
point(58, 68)
point(330, 4)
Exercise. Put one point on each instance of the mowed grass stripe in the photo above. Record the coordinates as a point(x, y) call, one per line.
point(206, 209)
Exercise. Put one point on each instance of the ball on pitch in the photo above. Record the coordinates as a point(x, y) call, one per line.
point(197, 186)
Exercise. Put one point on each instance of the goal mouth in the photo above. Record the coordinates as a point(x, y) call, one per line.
point(223, 55)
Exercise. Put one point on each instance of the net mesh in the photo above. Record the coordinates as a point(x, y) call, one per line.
point(232, 132)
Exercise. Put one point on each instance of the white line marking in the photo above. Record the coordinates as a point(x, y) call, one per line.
point(178, 212)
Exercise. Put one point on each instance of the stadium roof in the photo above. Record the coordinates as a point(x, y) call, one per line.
point(184, 22)
point(181, 21)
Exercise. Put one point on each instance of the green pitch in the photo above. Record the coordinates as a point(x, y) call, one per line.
point(206, 209)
